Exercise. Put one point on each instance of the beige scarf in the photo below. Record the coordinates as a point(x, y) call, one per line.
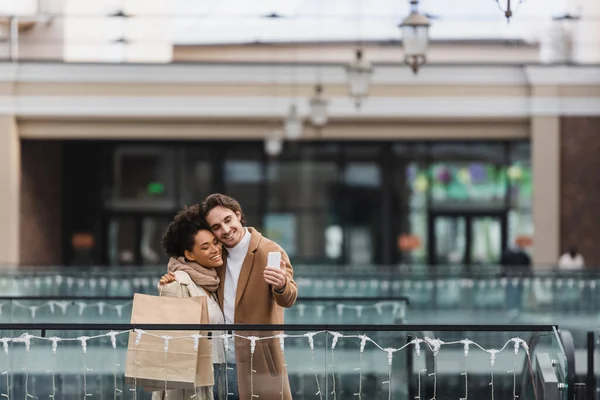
point(203, 277)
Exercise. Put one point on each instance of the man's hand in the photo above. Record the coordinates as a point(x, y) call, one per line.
point(167, 278)
point(276, 277)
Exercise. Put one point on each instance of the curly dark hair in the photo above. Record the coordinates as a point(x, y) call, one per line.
point(182, 231)
point(221, 200)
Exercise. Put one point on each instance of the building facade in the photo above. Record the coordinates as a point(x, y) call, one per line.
point(464, 158)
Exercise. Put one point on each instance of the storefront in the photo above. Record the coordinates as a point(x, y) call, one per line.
point(326, 202)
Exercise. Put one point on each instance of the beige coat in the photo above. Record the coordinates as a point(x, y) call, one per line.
point(185, 287)
point(258, 303)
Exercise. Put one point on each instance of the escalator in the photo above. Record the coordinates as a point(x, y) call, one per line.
point(548, 373)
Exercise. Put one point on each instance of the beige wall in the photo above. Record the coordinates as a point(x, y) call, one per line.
point(10, 171)
point(545, 158)
point(446, 52)
point(42, 40)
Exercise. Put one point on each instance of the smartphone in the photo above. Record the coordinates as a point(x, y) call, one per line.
point(274, 259)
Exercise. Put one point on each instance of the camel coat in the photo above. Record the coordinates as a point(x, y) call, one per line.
point(258, 303)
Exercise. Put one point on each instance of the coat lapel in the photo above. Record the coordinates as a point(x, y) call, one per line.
point(248, 264)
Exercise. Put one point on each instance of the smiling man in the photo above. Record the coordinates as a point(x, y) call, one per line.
point(250, 292)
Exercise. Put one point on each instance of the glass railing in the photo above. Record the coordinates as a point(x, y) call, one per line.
point(546, 297)
point(320, 361)
point(118, 310)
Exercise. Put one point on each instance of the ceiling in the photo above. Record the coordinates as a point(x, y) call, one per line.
point(248, 21)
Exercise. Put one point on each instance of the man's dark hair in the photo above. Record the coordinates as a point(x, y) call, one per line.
point(221, 200)
point(181, 233)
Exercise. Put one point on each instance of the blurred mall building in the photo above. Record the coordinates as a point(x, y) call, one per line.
point(113, 116)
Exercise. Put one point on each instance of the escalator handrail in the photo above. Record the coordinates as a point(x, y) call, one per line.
point(568, 346)
point(525, 371)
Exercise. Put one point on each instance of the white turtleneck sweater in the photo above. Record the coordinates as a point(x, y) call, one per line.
point(235, 259)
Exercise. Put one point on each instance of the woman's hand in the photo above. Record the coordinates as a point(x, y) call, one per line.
point(167, 278)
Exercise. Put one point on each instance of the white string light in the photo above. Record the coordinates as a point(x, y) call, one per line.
point(282, 337)
point(138, 337)
point(54, 341)
point(419, 383)
point(63, 305)
point(434, 345)
point(166, 340)
point(390, 353)
point(517, 343)
point(253, 340)
point(5, 342)
point(466, 344)
point(396, 306)
point(83, 340)
point(311, 343)
point(417, 345)
point(25, 339)
point(336, 336)
point(113, 342)
point(363, 342)
point(225, 338)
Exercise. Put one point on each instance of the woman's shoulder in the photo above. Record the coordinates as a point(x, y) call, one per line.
point(183, 277)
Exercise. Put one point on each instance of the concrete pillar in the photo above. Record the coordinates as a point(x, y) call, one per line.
point(10, 176)
point(545, 161)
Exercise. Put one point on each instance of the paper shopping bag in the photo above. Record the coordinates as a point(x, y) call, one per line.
point(181, 366)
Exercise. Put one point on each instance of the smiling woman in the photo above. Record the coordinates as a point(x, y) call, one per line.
point(195, 253)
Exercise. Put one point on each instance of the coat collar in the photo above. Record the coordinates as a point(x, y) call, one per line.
point(247, 265)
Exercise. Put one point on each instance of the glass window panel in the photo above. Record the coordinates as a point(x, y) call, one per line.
point(310, 151)
point(468, 184)
point(153, 229)
point(302, 185)
point(143, 175)
point(468, 175)
point(360, 245)
point(450, 240)
point(492, 153)
point(520, 176)
point(252, 217)
point(307, 237)
point(314, 244)
point(415, 227)
point(521, 185)
point(520, 224)
point(358, 152)
point(486, 240)
point(244, 176)
point(282, 228)
point(121, 241)
point(362, 174)
point(416, 185)
point(410, 151)
point(243, 172)
point(196, 180)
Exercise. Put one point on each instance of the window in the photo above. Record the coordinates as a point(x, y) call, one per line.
point(196, 175)
point(144, 178)
point(468, 175)
point(301, 207)
point(243, 176)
